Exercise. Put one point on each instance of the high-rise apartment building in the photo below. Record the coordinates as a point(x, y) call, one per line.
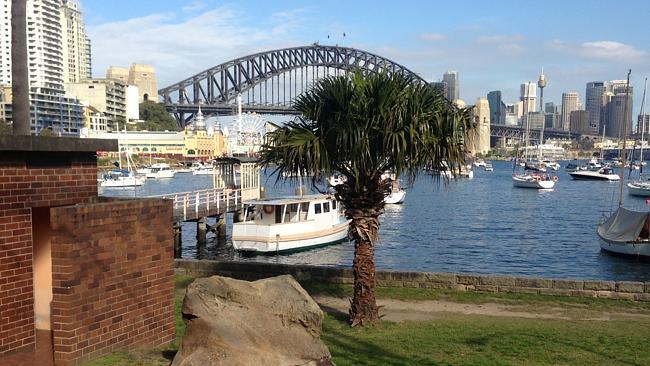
point(579, 122)
point(106, 95)
point(528, 95)
point(453, 84)
point(594, 103)
point(53, 28)
point(569, 104)
point(76, 44)
point(497, 108)
point(643, 124)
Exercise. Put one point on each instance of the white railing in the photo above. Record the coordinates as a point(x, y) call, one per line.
point(195, 203)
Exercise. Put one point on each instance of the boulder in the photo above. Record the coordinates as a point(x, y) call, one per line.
point(267, 322)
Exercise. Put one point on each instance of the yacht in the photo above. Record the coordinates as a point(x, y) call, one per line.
point(200, 168)
point(605, 173)
point(489, 167)
point(397, 193)
point(535, 166)
point(160, 170)
point(479, 163)
point(288, 224)
point(594, 165)
point(551, 164)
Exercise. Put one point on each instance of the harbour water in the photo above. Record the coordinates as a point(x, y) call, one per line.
point(481, 225)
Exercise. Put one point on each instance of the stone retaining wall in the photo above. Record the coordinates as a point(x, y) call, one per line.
point(625, 290)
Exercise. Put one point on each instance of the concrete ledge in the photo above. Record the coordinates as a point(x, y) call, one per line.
point(622, 290)
point(50, 144)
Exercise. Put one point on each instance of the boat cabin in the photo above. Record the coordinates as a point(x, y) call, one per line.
point(293, 209)
point(159, 167)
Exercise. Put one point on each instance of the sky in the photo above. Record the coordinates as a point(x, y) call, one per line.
point(494, 45)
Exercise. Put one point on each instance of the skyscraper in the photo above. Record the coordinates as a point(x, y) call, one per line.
point(569, 104)
point(453, 87)
point(617, 114)
point(497, 108)
point(594, 103)
point(76, 44)
point(643, 124)
point(528, 95)
point(440, 86)
point(579, 120)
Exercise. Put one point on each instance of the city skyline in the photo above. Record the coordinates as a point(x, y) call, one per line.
point(492, 46)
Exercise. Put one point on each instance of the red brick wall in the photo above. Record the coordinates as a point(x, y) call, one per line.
point(32, 179)
point(113, 277)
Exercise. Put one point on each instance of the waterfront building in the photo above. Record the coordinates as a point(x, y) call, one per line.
point(497, 108)
point(107, 96)
point(616, 114)
point(76, 44)
point(536, 120)
point(440, 86)
point(569, 104)
point(479, 138)
point(579, 122)
point(594, 103)
point(453, 84)
point(643, 124)
point(528, 95)
point(62, 115)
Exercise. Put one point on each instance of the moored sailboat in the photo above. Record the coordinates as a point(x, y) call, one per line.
point(641, 188)
point(625, 231)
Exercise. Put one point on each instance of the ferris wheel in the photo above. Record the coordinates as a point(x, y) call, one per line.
point(246, 132)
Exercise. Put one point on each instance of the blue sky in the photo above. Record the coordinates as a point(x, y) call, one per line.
point(494, 45)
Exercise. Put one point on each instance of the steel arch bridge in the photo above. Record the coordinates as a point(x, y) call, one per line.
point(268, 82)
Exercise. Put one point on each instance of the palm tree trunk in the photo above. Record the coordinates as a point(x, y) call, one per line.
point(364, 208)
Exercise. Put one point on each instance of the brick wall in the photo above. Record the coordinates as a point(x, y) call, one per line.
point(113, 277)
point(32, 179)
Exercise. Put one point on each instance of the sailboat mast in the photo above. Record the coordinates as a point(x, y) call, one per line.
point(623, 159)
point(645, 86)
point(602, 143)
point(526, 118)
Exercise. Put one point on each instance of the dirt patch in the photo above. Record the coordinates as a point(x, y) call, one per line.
point(400, 310)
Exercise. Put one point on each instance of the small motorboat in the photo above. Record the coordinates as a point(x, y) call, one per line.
point(489, 167)
point(479, 163)
point(639, 188)
point(397, 193)
point(551, 164)
point(160, 170)
point(605, 173)
point(535, 166)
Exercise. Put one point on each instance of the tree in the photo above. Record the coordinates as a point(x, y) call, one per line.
point(155, 117)
point(361, 126)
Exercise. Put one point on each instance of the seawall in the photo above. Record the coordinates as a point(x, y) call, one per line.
point(626, 290)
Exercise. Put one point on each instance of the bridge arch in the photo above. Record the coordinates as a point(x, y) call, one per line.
point(281, 74)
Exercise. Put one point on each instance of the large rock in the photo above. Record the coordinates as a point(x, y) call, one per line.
point(267, 322)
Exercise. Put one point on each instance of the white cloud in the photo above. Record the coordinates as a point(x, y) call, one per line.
point(600, 50)
point(179, 48)
point(432, 37)
point(500, 38)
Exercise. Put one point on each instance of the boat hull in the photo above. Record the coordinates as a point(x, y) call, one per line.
point(636, 190)
point(290, 243)
point(161, 175)
point(395, 197)
point(122, 183)
point(636, 249)
point(541, 184)
point(590, 175)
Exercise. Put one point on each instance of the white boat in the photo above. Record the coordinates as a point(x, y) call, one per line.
point(200, 168)
point(626, 232)
point(533, 180)
point(289, 224)
point(479, 163)
point(489, 167)
point(143, 171)
point(160, 170)
point(605, 173)
point(551, 164)
point(397, 193)
point(639, 188)
point(183, 170)
point(120, 178)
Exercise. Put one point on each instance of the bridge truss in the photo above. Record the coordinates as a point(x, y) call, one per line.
point(268, 82)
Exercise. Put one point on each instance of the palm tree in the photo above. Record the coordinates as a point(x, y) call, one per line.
point(361, 126)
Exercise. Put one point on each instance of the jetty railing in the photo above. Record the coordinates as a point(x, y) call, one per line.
point(192, 205)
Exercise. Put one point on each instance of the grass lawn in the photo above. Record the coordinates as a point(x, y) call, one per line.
point(456, 339)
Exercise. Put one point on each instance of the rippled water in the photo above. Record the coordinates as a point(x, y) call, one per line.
point(481, 225)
